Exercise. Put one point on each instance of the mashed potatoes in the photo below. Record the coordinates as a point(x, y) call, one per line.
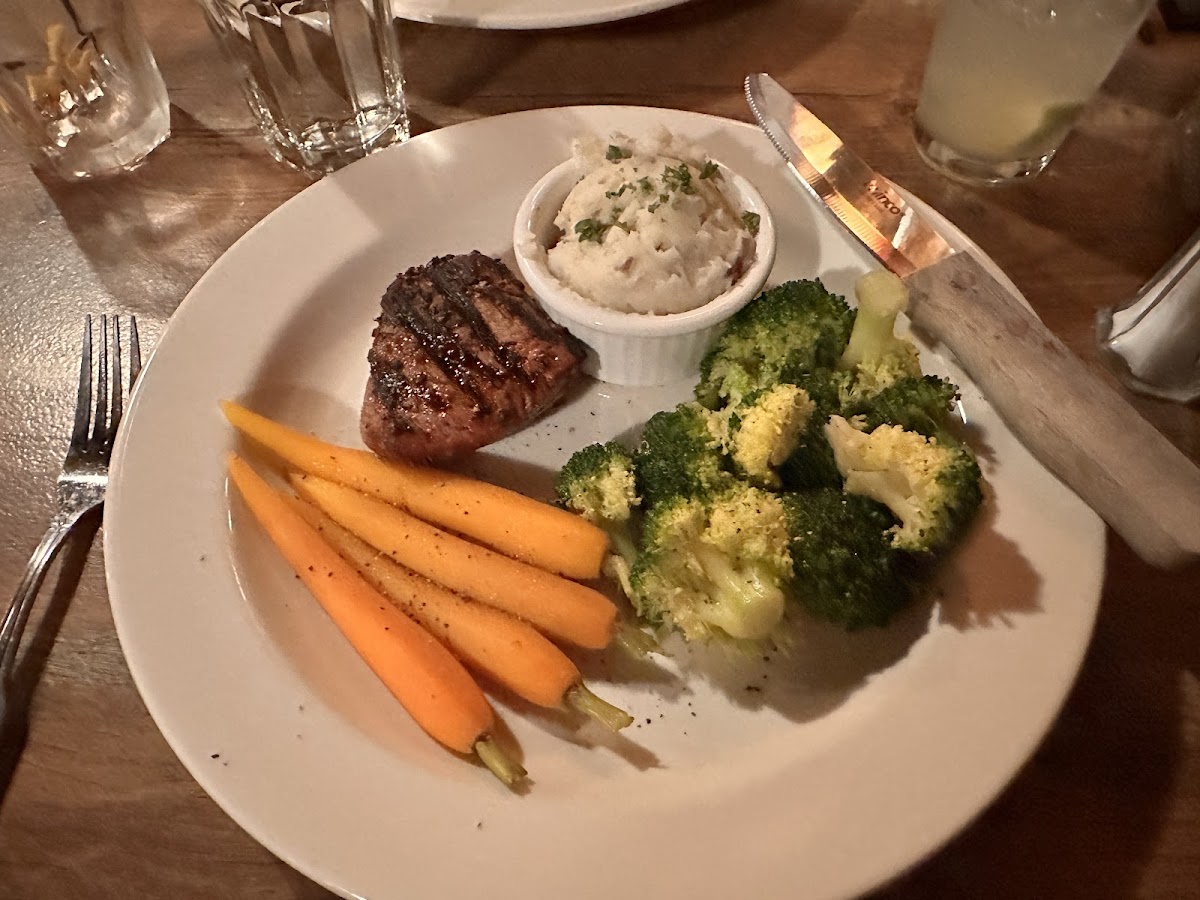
point(651, 228)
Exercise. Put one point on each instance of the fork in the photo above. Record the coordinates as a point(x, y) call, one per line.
point(84, 476)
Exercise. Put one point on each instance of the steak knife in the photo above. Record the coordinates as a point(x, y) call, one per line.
point(1071, 420)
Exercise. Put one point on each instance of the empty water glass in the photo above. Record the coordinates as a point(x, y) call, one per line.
point(1152, 342)
point(322, 77)
point(80, 92)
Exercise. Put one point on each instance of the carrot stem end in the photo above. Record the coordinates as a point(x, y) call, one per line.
point(612, 717)
point(503, 766)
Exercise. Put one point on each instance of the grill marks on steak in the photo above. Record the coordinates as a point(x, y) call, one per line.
point(461, 357)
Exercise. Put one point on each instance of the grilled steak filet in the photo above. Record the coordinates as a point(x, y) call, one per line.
point(461, 357)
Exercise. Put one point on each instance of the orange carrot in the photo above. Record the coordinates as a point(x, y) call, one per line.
point(516, 525)
point(554, 605)
point(419, 671)
point(486, 639)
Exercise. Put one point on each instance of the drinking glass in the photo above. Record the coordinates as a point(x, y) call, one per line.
point(1152, 342)
point(1006, 80)
point(80, 92)
point(322, 77)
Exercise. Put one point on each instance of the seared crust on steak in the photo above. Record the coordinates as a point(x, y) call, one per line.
point(461, 357)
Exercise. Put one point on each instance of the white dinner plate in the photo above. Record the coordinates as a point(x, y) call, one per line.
point(526, 14)
point(818, 775)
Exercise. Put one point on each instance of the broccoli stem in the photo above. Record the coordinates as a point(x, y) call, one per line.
point(612, 717)
point(503, 766)
point(619, 563)
point(745, 587)
point(618, 567)
point(881, 298)
point(749, 604)
point(636, 642)
point(622, 541)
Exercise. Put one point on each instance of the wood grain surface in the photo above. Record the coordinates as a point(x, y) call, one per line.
point(95, 805)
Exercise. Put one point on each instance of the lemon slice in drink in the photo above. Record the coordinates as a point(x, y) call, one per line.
point(1056, 122)
point(1017, 131)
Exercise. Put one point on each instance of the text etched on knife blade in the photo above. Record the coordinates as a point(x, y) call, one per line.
point(881, 196)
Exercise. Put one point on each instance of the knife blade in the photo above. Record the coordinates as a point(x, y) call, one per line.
point(1072, 421)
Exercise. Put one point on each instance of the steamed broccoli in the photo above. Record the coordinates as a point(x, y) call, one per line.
point(931, 484)
point(874, 353)
point(763, 430)
point(794, 328)
point(816, 465)
point(714, 566)
point(598, 483)
point(811, 464)
point(844, 566)
point(921, 404)
point(680, 456)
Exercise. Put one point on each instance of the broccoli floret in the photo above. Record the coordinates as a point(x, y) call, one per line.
point(598, 483)
point(680, 456)
point(844, 566)
point(932, 485)
point(920, 404)
point(829, 389)
point(762, 431)
point(789, 330)
point(811, 464)
point(874, 353)
point(714, 567)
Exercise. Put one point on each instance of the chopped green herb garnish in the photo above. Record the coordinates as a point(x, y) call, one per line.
point(594, 230)
point(750, 219)
point(653, 206)
point(615, 153)
point(679, 178)
point(645, 185)
point(612, 195)
point(663, 198)
point(591, 230)
point(709, 170)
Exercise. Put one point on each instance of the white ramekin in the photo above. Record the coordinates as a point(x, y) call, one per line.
point(633, 348)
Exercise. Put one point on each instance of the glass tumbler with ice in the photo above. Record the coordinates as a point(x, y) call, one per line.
point(1006, 80)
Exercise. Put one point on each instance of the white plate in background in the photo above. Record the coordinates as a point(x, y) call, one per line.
point(526, 14)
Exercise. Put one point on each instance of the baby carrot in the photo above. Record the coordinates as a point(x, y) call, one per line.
point(486, 639)
point(554, 605)
point(418, 670)
point(516, 525)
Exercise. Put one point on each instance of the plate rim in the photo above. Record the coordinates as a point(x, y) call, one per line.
point(552, 18)
point(112, 542)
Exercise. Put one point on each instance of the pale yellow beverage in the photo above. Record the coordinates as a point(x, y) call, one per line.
point(1006, 80)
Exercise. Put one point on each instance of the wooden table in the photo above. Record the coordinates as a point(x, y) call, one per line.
point(98, 806)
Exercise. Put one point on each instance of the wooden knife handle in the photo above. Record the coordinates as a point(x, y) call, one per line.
point(1076, 425)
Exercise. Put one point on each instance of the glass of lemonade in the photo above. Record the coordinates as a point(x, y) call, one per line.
point(1006, 80)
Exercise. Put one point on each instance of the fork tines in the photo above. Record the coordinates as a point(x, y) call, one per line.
point(103, 370)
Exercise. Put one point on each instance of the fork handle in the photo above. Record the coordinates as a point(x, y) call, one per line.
point(13, 624)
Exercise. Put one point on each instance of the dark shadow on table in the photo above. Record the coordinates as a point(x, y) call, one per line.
point(1083, 817)
point(300, 888)
point(41, 632)
point(614, 62)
